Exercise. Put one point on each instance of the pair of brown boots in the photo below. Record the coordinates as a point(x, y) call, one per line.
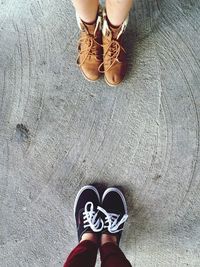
point(101, 50)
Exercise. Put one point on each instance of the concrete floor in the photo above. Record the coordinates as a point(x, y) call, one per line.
point(59, 132)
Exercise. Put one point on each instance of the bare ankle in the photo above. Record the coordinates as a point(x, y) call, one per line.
point(90, 237)
point(107, 238)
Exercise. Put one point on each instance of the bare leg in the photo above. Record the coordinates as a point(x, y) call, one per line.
point(89, 236)
point(86, 9)
point(105, 238)
point(117, 10)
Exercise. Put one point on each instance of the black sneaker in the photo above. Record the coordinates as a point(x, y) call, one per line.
point(85, 211)
point(114, 208)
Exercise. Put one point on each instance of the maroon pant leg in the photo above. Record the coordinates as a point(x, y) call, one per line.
point(112, 256)
point(83, 255)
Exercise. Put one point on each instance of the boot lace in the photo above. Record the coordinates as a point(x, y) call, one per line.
point(112, 53)
point(89, 50)
point(91, 218)
point(112, 221)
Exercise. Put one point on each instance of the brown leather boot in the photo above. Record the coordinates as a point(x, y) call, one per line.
point(114, 54)
point(90, 48)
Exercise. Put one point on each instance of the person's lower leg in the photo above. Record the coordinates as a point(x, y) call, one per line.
point(86, 9)
point(107, 238)
point(90, 237)
point(85, 253)
point(111, 254)
point(117, 10)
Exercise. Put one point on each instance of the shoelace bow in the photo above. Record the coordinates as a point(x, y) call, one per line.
point(90, 49)
point(90, 218)
point(112, 221)
point(113, 52)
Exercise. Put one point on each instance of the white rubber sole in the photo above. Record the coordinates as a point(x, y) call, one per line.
point(114, 189)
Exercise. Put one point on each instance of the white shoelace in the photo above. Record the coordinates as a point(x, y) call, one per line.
point(112, 222)
point(90, 218)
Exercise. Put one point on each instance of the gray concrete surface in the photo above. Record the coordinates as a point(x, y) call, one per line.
point(59, 132)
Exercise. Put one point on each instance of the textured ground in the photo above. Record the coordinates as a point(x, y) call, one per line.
point(59, 132)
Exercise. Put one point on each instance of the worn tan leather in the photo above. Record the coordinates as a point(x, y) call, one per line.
point(114, 55)
point(90, 52)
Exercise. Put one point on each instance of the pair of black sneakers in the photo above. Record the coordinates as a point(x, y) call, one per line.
point(94, 214)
